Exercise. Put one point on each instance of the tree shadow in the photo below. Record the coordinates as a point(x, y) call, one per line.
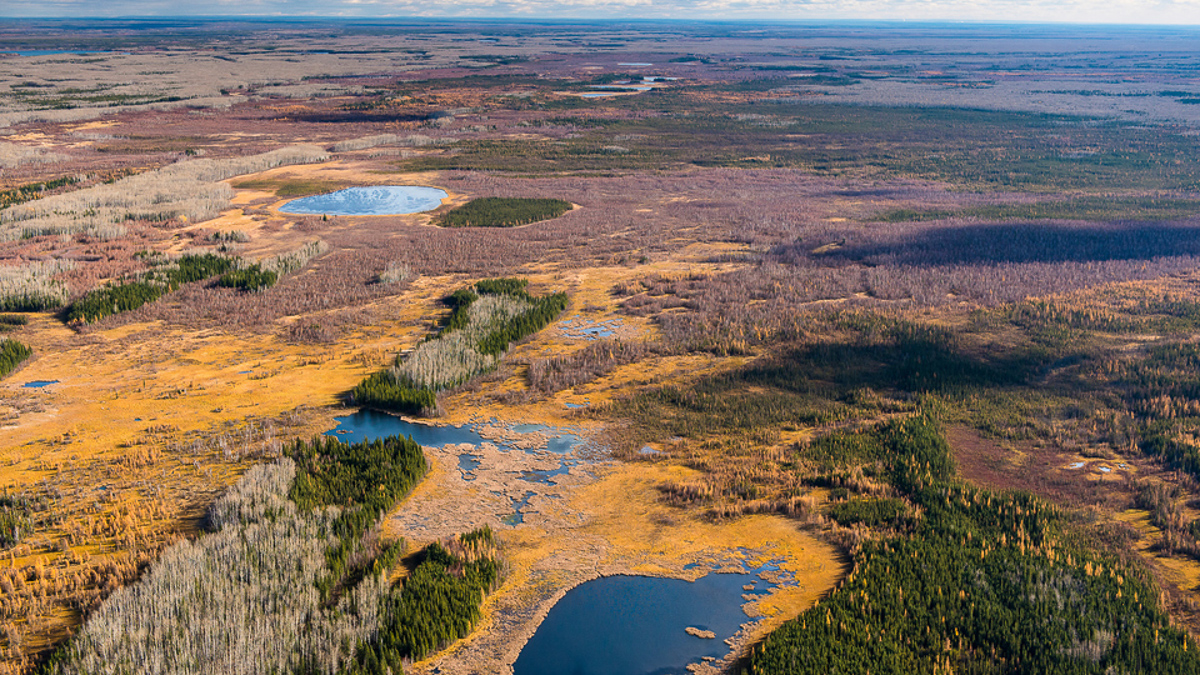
point(1020, 243)
point(903, 363)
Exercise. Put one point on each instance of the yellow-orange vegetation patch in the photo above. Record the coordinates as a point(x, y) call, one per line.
point(89, 126)
point(1183, 572)
point(628, 512)
point(618, 524)
point(145, 425)
point(128, 398)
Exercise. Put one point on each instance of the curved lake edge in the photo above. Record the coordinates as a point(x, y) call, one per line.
point(427, 192)
point(544, 438)
point(739, 643)
point(535, 584)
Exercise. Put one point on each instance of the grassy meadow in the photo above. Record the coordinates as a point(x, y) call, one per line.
point(919, 327)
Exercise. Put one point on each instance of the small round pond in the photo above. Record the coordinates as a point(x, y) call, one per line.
point(638, 625)
point(375, 200)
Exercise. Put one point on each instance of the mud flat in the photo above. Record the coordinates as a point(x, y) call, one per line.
point(598, 518)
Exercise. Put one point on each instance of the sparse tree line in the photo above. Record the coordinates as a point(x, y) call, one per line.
point(31, 287)
point(365, 142)
point(10, 322)
point(1162, 500)
point(190, 190)
point(130, 294)
point(294, 578)
point(133, 293)
point(483, 321)
point(14, 155)
point(249, 278)
point(503, 212)
point(32, 191)
point(547, 376)
point(15, 519)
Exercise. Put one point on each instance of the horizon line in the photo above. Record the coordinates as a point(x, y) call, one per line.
point(634, 19)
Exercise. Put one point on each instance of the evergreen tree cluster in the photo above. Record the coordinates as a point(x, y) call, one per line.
point(293, 553)
point(503, 212)
point(471, 341)
point(12, 322)
point(1174, 453)
point(191, 268)
point(12, 353)
point(544, 310)
point(504, 286)
point(383, 390)
point(33, 300)
point(985, 583)
point(460, 302)
point(31, 287)
point(440, 603)
point(872, 513)
point(130, 294)
point(114, 299)
point(249, 278)
point(364, 479)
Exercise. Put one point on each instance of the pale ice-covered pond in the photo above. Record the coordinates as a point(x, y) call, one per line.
point(374, 200)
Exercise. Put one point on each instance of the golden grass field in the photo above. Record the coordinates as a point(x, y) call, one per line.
point(154, 413)
point(147, 423)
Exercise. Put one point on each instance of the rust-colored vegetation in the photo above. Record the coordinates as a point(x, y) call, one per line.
point(945, 333)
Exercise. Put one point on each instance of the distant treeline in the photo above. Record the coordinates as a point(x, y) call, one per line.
point(12, 353)
point(503, 212)
point(483, 321)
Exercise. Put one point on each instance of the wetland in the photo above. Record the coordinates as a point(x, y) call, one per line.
point(780, 357)
point(378, 200)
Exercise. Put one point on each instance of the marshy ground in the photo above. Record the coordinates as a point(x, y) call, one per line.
point(753, 269)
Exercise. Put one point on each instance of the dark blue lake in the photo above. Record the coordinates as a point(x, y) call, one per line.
point(366, 425)
point(376, 200)
point(628, 625)
point(37, 384)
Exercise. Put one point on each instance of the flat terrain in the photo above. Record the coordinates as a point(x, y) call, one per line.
point(785, 243)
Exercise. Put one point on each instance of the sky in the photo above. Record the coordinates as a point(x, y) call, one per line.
point(1185, 12)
